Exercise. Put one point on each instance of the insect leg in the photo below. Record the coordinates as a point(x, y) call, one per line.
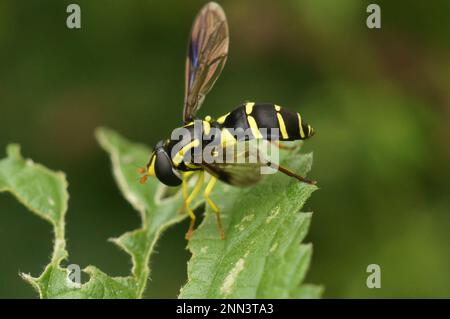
point(288, 172)
point(185, 189)
point(190, 198)
point(285, 147)
point(208, 190)
point(185, 186)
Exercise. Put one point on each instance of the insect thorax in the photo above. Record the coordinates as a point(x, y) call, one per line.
point(186, 143)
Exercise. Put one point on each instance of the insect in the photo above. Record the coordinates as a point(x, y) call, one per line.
point(172, 161)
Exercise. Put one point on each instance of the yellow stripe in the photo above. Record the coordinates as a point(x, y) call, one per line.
point(151, 167)
point(206, 127)
point(177, 159)
point(277, 108)
point(254, 127)
point(180, 155)
point(222, 119)
point(302, 134)
point(284, 133)
point(188, 146)
point(309, 130)
point(226, 138)
point(249, 107)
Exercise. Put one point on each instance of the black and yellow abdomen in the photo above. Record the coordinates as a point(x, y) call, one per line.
point(268, 121)
point(248, 121)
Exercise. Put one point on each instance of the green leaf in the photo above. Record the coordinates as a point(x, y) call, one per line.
point(261, 256)
point(157, 213)
point(44, 193)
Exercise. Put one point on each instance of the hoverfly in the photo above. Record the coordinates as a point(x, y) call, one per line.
point(206, 57)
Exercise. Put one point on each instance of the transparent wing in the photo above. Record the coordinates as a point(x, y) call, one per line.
point(206, 57)
point(241, 165)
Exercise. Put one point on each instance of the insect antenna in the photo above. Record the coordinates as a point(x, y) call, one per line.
point(142, 171)
point(143, 179)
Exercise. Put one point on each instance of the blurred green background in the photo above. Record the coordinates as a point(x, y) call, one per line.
point(379, 100)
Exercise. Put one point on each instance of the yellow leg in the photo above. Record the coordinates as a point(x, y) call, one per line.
point(208, 190)
point(184, 185)
point(189, 199)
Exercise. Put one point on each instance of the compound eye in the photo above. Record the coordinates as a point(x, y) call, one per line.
point(164, 170)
